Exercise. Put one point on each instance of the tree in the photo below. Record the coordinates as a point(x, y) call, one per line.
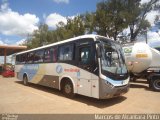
point(110, 18)
point(39, 37)
point(75, 26)
point(136, 16)
point(44, 36)
point(89, 22)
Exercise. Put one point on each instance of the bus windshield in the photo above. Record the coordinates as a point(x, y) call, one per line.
point(112, 58)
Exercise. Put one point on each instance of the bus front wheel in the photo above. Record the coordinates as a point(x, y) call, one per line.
point(67, 89)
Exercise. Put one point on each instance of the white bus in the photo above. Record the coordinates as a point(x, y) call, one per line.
point(89, 65)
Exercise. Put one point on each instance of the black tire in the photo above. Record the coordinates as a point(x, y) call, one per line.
point(67, 89)
point(155, 84)
point(25, 80)
point(150, 85)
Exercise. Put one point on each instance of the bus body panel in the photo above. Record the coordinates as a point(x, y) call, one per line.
point(83, 81)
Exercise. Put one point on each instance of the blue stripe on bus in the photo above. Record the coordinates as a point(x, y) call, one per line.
point(30, 69)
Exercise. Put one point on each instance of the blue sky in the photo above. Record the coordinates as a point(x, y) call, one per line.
point(21, 17)
point(40, 7)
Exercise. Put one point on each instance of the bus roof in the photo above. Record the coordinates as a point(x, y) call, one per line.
point(61, 42)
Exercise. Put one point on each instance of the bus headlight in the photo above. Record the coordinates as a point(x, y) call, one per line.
point(109, 84)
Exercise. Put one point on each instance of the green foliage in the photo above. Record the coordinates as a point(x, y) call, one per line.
point(89, 22)
point(44, 36)
point(39, 37)
point(110, 18)
point(137, 16)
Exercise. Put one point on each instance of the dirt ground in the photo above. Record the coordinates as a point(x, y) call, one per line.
point(17, 98)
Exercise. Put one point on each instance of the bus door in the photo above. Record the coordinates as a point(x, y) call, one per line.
point(84, 78)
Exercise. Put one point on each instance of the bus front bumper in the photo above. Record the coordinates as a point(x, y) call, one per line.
point(107, 92)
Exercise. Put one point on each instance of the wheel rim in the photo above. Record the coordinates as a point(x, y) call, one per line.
point(157, 84)
point(68, 88)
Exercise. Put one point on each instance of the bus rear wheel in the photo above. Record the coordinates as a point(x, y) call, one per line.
point(67, 89)
point(25, 80)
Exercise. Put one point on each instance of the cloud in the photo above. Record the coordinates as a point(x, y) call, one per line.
point(154, 38)
point(13, 23)
point(144, 1)
point(21, 42)
point(4, 6)
point(151, 16)
point(53, 19)
point(1, 42)
point(61, 1)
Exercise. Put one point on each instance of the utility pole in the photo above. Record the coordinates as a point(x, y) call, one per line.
point(146, 38)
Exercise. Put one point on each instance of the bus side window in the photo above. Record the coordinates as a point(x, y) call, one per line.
point(53, 54)
point(85, 55)
point(38, 57)
point(30, 57)
point(47, 57)
point(18, 59)
point(23, 58)
point(65, 53)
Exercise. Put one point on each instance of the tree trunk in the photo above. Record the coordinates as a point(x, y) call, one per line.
point(132, 38)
